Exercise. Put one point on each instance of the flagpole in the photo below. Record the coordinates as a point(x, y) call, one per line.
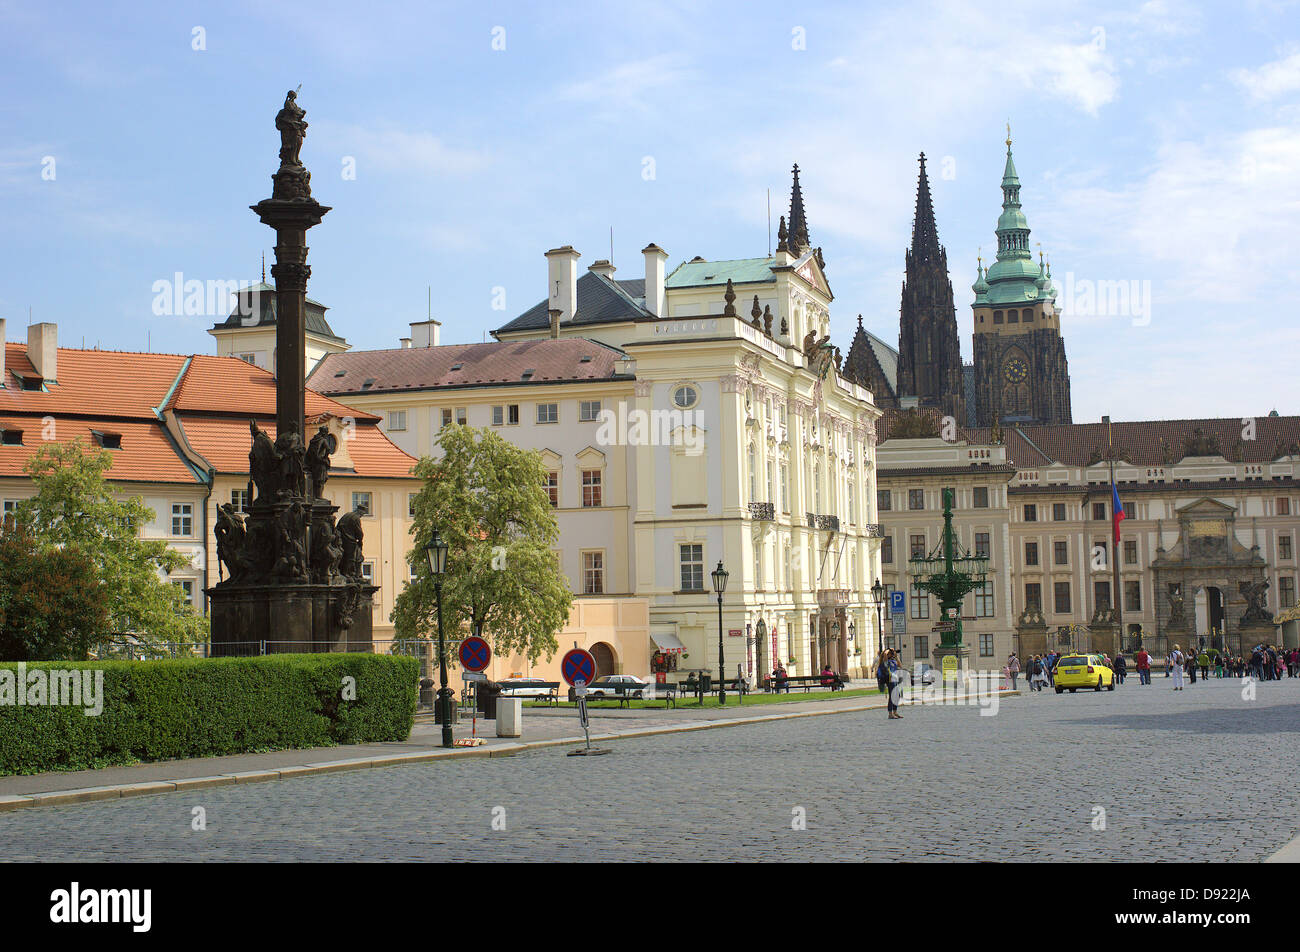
point(1114, 521)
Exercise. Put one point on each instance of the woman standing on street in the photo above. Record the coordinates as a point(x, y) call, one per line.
point(892, 673)
point(1176, 666)
point(1013, 669)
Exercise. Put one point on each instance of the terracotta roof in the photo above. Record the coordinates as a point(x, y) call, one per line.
point(146, 455)
point(455, 365)
point(231, 385)
point(224, 442)
point(104, 382)
point(1148, 443)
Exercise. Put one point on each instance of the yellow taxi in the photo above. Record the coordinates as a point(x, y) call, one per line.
point(1074, 671)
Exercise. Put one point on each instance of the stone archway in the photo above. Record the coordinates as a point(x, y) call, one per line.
point(605, 658)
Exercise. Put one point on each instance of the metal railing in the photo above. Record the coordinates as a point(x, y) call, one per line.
point(762, 511)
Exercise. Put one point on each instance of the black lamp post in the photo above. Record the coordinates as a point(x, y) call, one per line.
point(436, 550)
point(760, 639)
point(878, 592)
point(720, 585)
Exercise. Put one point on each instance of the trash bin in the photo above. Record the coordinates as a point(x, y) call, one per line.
point(706, 684)
point(437, 710)
point(488, 693)
point(510, 717)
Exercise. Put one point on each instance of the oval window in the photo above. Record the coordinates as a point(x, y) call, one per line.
point(685, 397)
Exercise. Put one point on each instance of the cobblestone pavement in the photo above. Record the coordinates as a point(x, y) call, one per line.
point(1198, 775)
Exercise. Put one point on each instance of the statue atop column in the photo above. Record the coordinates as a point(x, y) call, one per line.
point(292, 124)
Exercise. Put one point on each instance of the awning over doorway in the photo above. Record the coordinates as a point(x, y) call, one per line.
point(667, 641)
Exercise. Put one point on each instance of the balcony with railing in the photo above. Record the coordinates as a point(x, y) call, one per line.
point(820, 521)
point(762, 511)
point(832, 597)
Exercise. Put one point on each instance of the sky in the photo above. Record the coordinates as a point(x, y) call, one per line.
point(1158, 146)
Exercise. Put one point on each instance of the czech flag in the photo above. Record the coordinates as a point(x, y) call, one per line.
point(1116, 509)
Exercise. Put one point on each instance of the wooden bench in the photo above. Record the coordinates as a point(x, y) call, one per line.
point(807, 682)
point(551, 697)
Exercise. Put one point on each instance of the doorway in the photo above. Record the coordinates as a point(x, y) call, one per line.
point(603, 655)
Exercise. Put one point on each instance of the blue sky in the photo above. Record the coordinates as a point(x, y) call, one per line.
point(1157, 144)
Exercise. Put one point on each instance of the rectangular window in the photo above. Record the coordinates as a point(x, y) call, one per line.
point(1033, 596)
point(1031, 553)
point(986, 646)
point(785, 487)
point(548, 413)
point(984, 601)
point(446, 417)
point(593, 573)
point(1284, 547)
point(883, 501)
point(758, 565)
point(182, 519)
point(1062, 594)
point(1099, 512)
point(692, 565)
point(916, 499)
point(1058, 512)
point(460, 416)
point(362, 501)
point(1130, 552)
point(982, 545)
point(512, 414)
point(186, 585)
point(981, 497)
point(887, 550)
point(239, 499)
point(498, 416)
point(921, 647)
point(1130, 510)
point(591, 487)
point(1101, 594)
point(889, 600)
point(1286, 591)
point(397, 419)
point(552, 486)
point(1031, 512)
point(1283, 506)
point(410, 504)
point(920, 602)
point(588, 411)
point(1061, 553)
point(853, 507)
point(368, 572)
point(1133, 596)
point(917, 547)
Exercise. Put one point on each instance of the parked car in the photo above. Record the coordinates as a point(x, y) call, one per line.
point(617, 685)
point(923, 674)
point(526, 687)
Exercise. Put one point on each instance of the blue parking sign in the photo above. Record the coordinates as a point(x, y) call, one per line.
point(897, 602)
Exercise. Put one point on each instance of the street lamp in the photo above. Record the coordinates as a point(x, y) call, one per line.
point(760, 638)
point(720, 585)
point(436, 551)
point(878, 593)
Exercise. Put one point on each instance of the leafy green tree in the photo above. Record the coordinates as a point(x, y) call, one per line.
point(485, 498)
point(52, 607)
point(75, 507)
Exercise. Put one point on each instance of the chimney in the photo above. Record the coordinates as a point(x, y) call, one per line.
point(603, 268)
point(555, 322)
point(562, 280)
point(424, 333)
point(654, 279)
point(43, 350)
point(2, 351)
point(406, 343)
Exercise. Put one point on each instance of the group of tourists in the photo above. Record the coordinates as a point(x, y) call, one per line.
point(1266, 663)
point(1040, 669)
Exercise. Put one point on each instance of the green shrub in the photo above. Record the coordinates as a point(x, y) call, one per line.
point(205, 707)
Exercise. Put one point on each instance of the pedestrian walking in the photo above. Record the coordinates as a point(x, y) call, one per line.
point(1142, 661)
point(1121, 666)
point(1013, 669)
point(1190, 663)
point(892, 672)
point(1176, 666)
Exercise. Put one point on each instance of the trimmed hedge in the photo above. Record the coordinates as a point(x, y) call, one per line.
point(206, 707)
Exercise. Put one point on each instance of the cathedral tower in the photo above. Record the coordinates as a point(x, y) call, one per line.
point(1020, 370)
point(929, 349)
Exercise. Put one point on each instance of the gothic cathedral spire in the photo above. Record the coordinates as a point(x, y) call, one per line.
point(929, 350)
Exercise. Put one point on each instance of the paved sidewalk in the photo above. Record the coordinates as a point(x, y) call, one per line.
point(542, 727)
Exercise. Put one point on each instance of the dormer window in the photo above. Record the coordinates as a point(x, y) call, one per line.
point(11, 437)
point(528, 374)
point(457, 366)
point(109, 441)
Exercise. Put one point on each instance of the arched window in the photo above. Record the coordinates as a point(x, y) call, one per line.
point(1013, 317)
point(997, 317)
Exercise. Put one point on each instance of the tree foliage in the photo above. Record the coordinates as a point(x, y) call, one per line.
point(485, 498)
point(76, 508)
point(52, 606)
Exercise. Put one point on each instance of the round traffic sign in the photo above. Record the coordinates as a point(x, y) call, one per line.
point(578, 665)
point(474, 653)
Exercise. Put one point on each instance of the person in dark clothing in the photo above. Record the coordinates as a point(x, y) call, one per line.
point(1120, 666)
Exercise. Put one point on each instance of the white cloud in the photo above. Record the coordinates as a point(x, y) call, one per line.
point(386, 146)
point(1270, 80)
point(630, 85)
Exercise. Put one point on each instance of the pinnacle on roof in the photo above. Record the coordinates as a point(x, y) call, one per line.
point(798, 240)
point(925, 236)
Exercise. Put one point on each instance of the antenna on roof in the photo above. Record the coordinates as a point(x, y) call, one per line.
point(611, 244)
point(264, 266)
point(769, 222)
point(430, 287)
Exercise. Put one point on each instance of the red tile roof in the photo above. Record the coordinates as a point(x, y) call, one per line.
point(231, 385)
point(104, 382)
point(501, 362)
point(147, 455)
point(224, 442)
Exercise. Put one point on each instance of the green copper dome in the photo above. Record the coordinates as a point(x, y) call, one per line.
point(1013, 278)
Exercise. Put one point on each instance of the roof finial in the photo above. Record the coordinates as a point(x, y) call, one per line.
point(264, 267)
point(1008, 135)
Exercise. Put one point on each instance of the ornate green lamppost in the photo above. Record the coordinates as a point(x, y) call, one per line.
point(948, 573)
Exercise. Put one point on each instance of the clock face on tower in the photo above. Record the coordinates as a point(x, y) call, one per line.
point(1015, 370)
